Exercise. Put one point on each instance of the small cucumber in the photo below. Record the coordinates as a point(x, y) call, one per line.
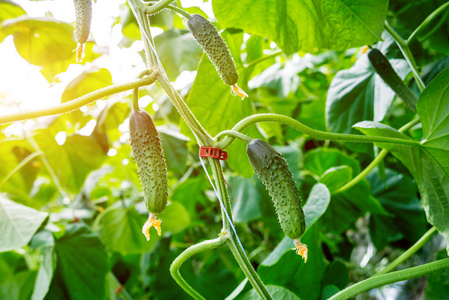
point(273, 170)
point(83, 12)
point(147, 151)
point(383, 67)
point(210, 40)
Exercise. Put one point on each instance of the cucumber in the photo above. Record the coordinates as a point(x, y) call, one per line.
point(210, 40)
point(83, 12)
point(147, 151)
point(273, 170)
point(383, 67)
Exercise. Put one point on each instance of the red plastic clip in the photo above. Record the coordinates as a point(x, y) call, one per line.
point(213, 152)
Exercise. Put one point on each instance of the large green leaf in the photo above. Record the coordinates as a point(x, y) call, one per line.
point(177, 52)
point(9, 10)
point(433, 109)
point(174, 145)
point(398, 195)
point(86, 82)
point(82, 264)
point(321, 160)
point(79, 155)
point(359, 94)
point(305, 25)
point(246, 206)
point(19, 286)
point(427, 170)
point(18, 223)
point(122, 231)
point(41, 41)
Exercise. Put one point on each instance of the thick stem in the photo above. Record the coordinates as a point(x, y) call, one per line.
point(385, 279)
point(317, 134)
point(78, 102)
point(248, 269)
point(195, 249)
point(157, 7)
point(412, 250)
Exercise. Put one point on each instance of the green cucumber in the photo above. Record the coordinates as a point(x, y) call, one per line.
point(273, 170)
point(210, 40)
point(147, 151)
point(83, 13)
point(383, 67)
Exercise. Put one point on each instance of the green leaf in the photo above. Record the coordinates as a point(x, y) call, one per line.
point(177, 51)
point(19, 286)
point(284, 267)
point(336, 274)
point(175, 218)
point(359, 94)
point(174, 145)
point(41, 41)
point(246, 206)
point(18, 224)
point(336, 177)
point(320, 160)
point(122, 231)
point(295, 25)
point(315, 207)
point(9, 10)
point(398, 195)
point(79, 155)
point(432, 110)
point(210, 97)
point(47, 261)
point(86, 82)
point(427, 170)
point(348, 206)
point(277, 292)
point(82, 263)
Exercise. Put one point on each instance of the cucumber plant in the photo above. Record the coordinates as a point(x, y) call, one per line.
point(333, 167)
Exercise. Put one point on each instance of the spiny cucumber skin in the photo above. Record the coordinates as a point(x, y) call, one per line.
point(147, 151)
point(273, 170)
point(385, 70)
point(83, 12)
point(210, 40)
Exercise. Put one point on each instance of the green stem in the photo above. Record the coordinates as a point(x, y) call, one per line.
point(403, 46)
point(117, 284)
point(237, 135)
point(172, 8)
point(317, 134)
point(427, 21)
point(364, 173)
point(406, 255)
point(195, 249)
point(261, 59)
point(157, 7)
point(385, 279)
point(136, 90)
point(248, 269)
point(19, 166)
point(375, 162)
point(78, 102)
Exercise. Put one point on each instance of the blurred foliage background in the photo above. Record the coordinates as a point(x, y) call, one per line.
point(71, 206)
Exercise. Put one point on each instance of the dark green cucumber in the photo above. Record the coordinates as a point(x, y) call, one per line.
point(210, 40)
point(273, 170)
point(383, 67)
point(147, 151)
